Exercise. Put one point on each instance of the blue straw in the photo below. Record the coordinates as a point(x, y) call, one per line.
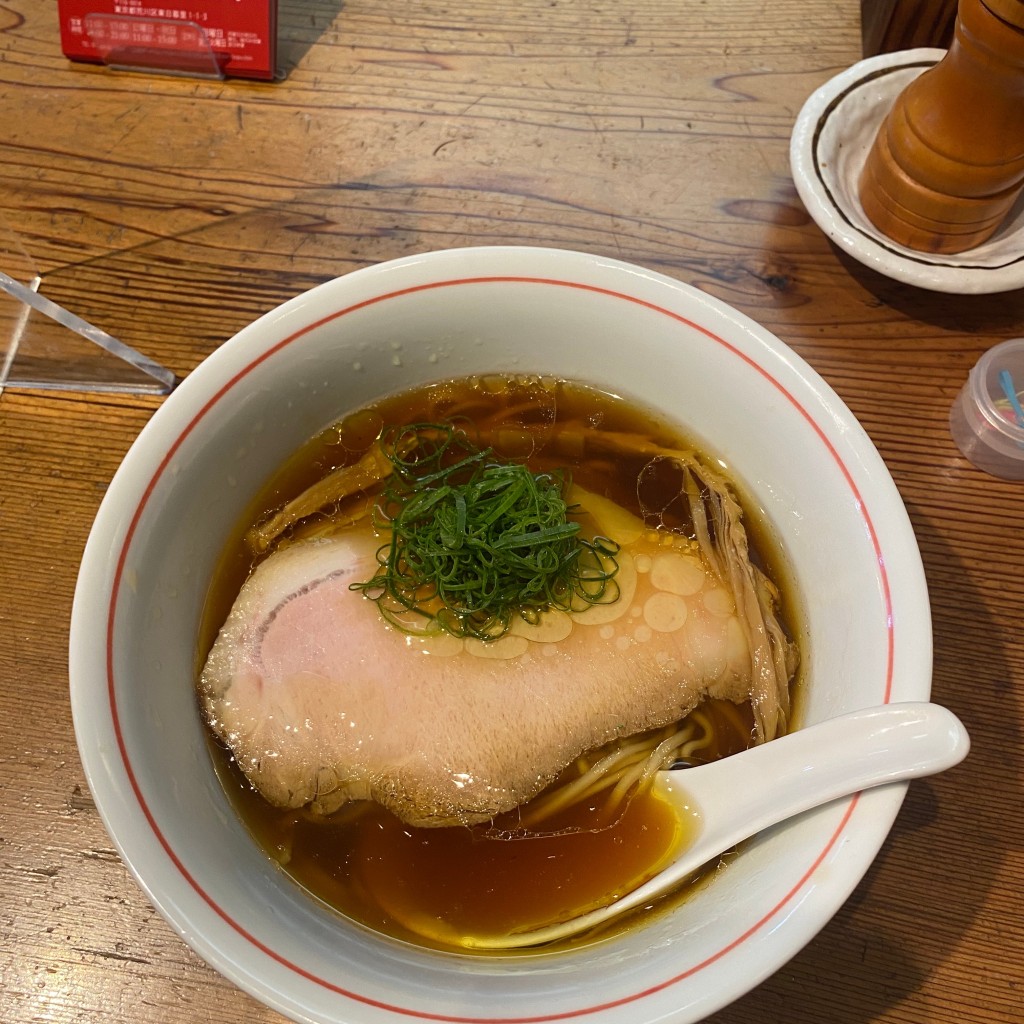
point(1006, 383)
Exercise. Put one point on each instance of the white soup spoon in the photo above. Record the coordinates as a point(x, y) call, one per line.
point(741, 795)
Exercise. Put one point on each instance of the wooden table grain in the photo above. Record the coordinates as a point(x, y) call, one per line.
point(173, 211)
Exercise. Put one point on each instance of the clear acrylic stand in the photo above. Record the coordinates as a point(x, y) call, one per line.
point(44, 346)
point(156, 45)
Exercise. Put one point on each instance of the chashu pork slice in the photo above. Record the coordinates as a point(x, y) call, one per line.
point(321, 701)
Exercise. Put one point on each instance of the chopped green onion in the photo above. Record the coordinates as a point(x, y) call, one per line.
point(476, 541)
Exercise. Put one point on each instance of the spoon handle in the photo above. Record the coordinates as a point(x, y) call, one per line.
point(740, 796)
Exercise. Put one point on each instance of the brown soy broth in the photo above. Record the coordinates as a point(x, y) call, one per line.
point(431, 885)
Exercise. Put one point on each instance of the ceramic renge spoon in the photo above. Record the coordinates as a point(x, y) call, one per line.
point(746, 793)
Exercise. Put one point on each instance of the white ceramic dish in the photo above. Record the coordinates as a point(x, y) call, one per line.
point(830, 143)
point(183, 485)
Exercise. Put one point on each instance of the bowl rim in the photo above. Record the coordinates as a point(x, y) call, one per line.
point(113, 532)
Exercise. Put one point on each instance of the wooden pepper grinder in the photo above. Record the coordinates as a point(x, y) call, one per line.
point(948, 161)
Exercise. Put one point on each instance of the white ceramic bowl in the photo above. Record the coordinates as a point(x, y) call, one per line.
point(183, 486)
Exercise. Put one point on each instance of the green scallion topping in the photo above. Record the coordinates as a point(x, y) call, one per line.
point(476, 541)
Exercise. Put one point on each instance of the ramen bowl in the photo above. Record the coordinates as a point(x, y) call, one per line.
point(800, 456)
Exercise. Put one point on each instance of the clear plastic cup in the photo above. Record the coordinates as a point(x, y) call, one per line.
point(985, 418)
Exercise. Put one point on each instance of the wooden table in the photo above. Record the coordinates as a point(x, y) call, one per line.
point(173, 211)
